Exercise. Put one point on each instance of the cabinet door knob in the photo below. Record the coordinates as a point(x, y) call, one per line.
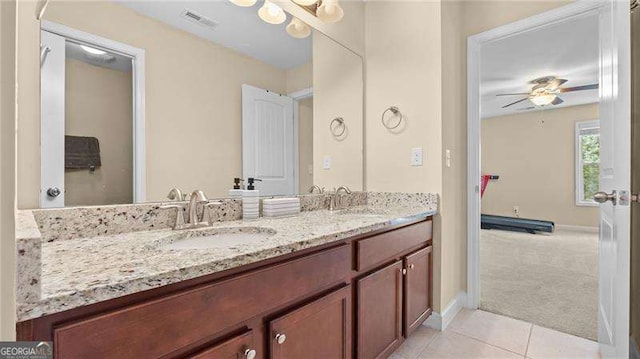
point(404, 271)
point(411, 266)
point(250, 354)
point(281, 338)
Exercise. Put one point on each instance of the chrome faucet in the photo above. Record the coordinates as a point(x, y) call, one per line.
point(196, 197)
point(335, 200)
point(175, 195)
point(315, 187)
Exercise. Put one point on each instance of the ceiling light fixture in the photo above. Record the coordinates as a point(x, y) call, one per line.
point(305, 2)
point(330, 11)
point(298, 29)
point(542, 99)
point(244, 3)
point(92, 50)
point(272, 13)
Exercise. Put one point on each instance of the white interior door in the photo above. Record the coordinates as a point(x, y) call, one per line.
point(268, 135)
point(52, 88)
point(615, 179)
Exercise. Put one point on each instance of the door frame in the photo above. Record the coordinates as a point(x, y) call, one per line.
point(474, 44)
point(297, 96)
point(138, 76)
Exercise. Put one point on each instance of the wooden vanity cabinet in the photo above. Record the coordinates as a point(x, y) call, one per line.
point(319, 330)
point(238, 347)
point(360, 296)
point(379, 315)
point(417, 289)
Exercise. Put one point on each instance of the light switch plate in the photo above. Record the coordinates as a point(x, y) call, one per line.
point(416, 156)
point(326, 163)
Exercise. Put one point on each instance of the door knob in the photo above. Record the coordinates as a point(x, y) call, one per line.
point(53, 192)
point(281, 338)
point(250, 354)
point(602, 197)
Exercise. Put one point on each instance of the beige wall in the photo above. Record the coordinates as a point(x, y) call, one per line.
point(305, 143)
point(337, 86)
point(99, 104)
point(7, 168)
point(299, 78)
point(534, 155)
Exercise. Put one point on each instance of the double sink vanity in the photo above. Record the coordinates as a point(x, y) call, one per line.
point(119, 282)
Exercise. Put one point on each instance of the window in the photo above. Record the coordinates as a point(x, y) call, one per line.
point(587, 162)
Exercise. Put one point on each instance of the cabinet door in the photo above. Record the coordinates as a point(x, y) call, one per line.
point(320, 329)
point(240, 347)
point(379, 306)
point(417, 295)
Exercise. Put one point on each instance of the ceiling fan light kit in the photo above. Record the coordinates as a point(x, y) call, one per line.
point(545, 91)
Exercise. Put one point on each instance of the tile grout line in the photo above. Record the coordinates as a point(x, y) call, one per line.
point(426, 346)
point(483, 342)
point(526, 351)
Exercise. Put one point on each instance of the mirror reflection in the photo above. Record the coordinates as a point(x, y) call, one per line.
point(139, 97)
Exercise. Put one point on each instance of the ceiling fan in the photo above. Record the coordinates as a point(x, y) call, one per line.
point(545, 91)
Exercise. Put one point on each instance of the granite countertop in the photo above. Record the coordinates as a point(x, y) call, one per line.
point(82, 271)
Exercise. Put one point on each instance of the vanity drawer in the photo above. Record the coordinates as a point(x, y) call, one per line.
point(157, 328)
point(378, 249)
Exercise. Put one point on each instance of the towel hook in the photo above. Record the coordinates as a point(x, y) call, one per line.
point(340, 123)
point(396, 112)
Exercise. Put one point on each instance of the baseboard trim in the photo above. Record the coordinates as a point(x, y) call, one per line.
point(634, 352)
point(577, 228)
point(440, 321)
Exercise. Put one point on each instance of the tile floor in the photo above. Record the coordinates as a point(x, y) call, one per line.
point(479, 334)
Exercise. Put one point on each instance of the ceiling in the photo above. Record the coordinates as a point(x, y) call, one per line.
point(238, 28)
point(568, 50)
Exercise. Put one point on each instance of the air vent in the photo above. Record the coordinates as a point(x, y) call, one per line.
point(200, 19)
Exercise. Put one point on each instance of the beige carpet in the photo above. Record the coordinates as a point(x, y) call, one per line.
point(549, 280)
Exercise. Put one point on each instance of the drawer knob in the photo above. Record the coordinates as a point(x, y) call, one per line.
point(250, 354)
point(281, 338)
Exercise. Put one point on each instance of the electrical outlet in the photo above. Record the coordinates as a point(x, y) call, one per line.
point(448, 158)
point(326, 163)
point(516, 211)
point(416, 156)
point(310, 169)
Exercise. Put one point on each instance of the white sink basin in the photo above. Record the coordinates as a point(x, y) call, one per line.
point(217, 238)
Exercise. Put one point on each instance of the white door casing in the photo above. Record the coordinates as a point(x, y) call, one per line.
point(615, 130)
point(52, 119)
point(268, 138)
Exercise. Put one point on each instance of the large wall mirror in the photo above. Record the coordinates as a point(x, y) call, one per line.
point(139, 97)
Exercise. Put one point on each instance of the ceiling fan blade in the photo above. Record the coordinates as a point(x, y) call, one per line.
point(555, 83)
point(513, 94)
point(580, 88)
point(557, 101)
point(513, 103)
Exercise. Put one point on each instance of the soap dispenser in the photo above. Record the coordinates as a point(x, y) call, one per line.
point(237, 190)
point(251, 200)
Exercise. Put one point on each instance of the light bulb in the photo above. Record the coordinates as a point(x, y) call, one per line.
point(244, 3)
point(298, 29)
point(92, 51)
point(330, 11)
point(272, 13)
point(543, 99)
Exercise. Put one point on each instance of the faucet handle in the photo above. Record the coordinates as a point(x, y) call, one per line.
point(179, 218)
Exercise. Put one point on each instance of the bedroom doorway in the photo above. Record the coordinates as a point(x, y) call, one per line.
point(548, 137)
